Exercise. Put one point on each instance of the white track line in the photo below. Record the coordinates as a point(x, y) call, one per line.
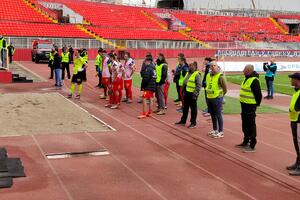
point(53, 169)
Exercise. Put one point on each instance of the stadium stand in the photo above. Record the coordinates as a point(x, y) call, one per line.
point(17, 10)
point(10, 28)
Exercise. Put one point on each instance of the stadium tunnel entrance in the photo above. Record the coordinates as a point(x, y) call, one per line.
point(173, 4)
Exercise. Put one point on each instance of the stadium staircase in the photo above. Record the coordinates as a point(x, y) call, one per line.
point(186, 33)
point(98, 37)
point(154, 19)
point(278, 25)
point(33, 6)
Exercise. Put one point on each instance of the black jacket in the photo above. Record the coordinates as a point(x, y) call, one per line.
point(255, 88)
point(207, 67)
point(148, 78)
point(57, 61)
point(164, 74)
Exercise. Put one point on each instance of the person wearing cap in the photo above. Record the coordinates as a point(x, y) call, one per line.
point(77, 78)
point(190, 89)
point(250, 99)
point(99, 66)
point(148, 75)
point(294, 111)
point(65, 63)
point(216, 88)
point(270, 70)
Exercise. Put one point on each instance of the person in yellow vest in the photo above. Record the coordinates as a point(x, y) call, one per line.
point(65, 63)
point(50, 63)
point(183, 69)
point(190, 88)
point(3, 48)
point(161, 69)
point(79, 66)
point(99, 66)
point(250, 98)
point(294, 111)
point(84, 55)
point(215, 91)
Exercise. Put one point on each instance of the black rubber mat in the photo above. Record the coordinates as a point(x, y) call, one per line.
point(6, 182)
point(3, 167)
point(14, 168)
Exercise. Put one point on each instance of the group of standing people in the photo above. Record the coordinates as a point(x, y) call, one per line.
point(114, 76)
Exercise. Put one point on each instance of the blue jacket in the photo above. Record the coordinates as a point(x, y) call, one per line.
point(270, 69)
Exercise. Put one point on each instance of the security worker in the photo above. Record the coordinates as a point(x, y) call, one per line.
point(65, 63)
point(176, 74)
point(191, 88)
point(50, 63)
point(161, 77)
point(250, 98)
point(294, 170)
point(215, 90)
point(183, 69)
point(3, 48)
point(99, 66)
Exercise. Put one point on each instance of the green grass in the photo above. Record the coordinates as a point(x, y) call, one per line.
point(232, 105)
point(281, 82)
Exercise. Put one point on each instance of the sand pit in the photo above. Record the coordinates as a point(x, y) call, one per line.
point(50, 113)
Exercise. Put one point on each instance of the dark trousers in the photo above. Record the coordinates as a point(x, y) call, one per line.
point(248, 124)
point(51, 71)
point(270, 85)
point(99, 75)
point(10, 59)
point(189, 102)
point(215, 110)
point(65, 66)
point(296, 139)
point(178, 90)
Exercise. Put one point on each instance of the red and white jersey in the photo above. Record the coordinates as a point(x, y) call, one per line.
point(117, 70)
point(129, 67)
point(105, 70)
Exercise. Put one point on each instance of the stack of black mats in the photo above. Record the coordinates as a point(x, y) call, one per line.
point(9, 168)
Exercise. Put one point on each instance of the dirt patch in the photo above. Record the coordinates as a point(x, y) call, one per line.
point(49, 113)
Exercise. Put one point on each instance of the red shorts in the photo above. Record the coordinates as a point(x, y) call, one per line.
point(117, 84)
point(148, 94)
point(105, 80)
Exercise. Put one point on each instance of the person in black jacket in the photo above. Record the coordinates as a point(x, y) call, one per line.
point(207, 63)
point(148, 55)
point(71, 50)
point(11, 52)
point(149, 85)
point(250, 98)
point(176, 74)
point(161, 69)
point(57, 68)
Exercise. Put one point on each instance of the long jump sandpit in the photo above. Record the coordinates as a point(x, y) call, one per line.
point(47, 113)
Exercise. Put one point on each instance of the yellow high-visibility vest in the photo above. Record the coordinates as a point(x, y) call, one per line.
point(294, 115)
point(246, 94)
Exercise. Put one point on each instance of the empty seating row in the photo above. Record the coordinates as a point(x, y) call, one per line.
point(136, 34)
point(40, 30)
point(228, 23)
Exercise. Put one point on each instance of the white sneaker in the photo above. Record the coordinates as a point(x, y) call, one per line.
point(218, 135)
point(210, 133)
